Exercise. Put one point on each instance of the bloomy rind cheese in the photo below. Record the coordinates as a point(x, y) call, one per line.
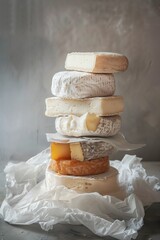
point(73, 84)
point(101, 106)
point(96, 62)
point(88, 125)
point(76, 168)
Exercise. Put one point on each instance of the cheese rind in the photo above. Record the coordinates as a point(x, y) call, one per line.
point(105, 183)
point(76, 168)
point(88, 125)
point(96, 62)
point(101, 106)
point(73, 84)
point(90, 150)
point(80, 151)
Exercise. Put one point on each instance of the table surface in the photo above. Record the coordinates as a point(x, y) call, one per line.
point(150, 230)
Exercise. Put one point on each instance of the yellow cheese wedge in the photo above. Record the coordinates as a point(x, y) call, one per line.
point(80, 151)
point(60, 151)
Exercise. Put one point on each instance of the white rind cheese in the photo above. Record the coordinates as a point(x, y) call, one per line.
point(105, 183)
point(101, 106)
point(88, 125)
point(96, 62)
point(73, 84)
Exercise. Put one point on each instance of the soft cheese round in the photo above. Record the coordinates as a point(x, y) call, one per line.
point(77, 126)
point(73, 84)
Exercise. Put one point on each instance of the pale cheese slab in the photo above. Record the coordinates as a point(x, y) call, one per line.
point(101, 106)
point(96, 62)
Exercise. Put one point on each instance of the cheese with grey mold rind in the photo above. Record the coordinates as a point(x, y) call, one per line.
point(96, 62)
point(88, 125)
point(73, 84)
point(101, 106)
point(84, 151)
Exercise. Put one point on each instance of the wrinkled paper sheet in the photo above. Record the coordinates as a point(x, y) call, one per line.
point(28, 201)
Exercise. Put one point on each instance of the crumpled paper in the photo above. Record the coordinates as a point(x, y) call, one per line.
point(28, 201)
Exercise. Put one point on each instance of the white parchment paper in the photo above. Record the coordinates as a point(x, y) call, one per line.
point(28, 201)
point(118, 141)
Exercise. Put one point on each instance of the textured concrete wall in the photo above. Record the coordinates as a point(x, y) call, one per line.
point(35, 37)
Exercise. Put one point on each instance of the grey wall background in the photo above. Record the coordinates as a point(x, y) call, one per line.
point(36, 35)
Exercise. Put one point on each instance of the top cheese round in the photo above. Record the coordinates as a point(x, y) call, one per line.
point(73, 84)
point(96, 62)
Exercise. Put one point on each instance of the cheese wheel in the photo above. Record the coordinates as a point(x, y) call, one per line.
point(77, 168)
point(88, 125)
point(73, 84)
point(105, 183)
point(96, 62)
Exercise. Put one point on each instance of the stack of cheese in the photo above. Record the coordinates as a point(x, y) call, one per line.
point(85, 105)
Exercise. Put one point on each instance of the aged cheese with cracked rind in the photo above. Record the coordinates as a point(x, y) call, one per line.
point(88, 125)
point(73, 84)
point(80, 151)
point(76, 168)
point(90, 150)
point(96, 62)
point(101, 106)
point(105, 183)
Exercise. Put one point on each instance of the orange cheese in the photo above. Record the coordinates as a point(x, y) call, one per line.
point(80, 151)
point(60, 151)
point(77, 168)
